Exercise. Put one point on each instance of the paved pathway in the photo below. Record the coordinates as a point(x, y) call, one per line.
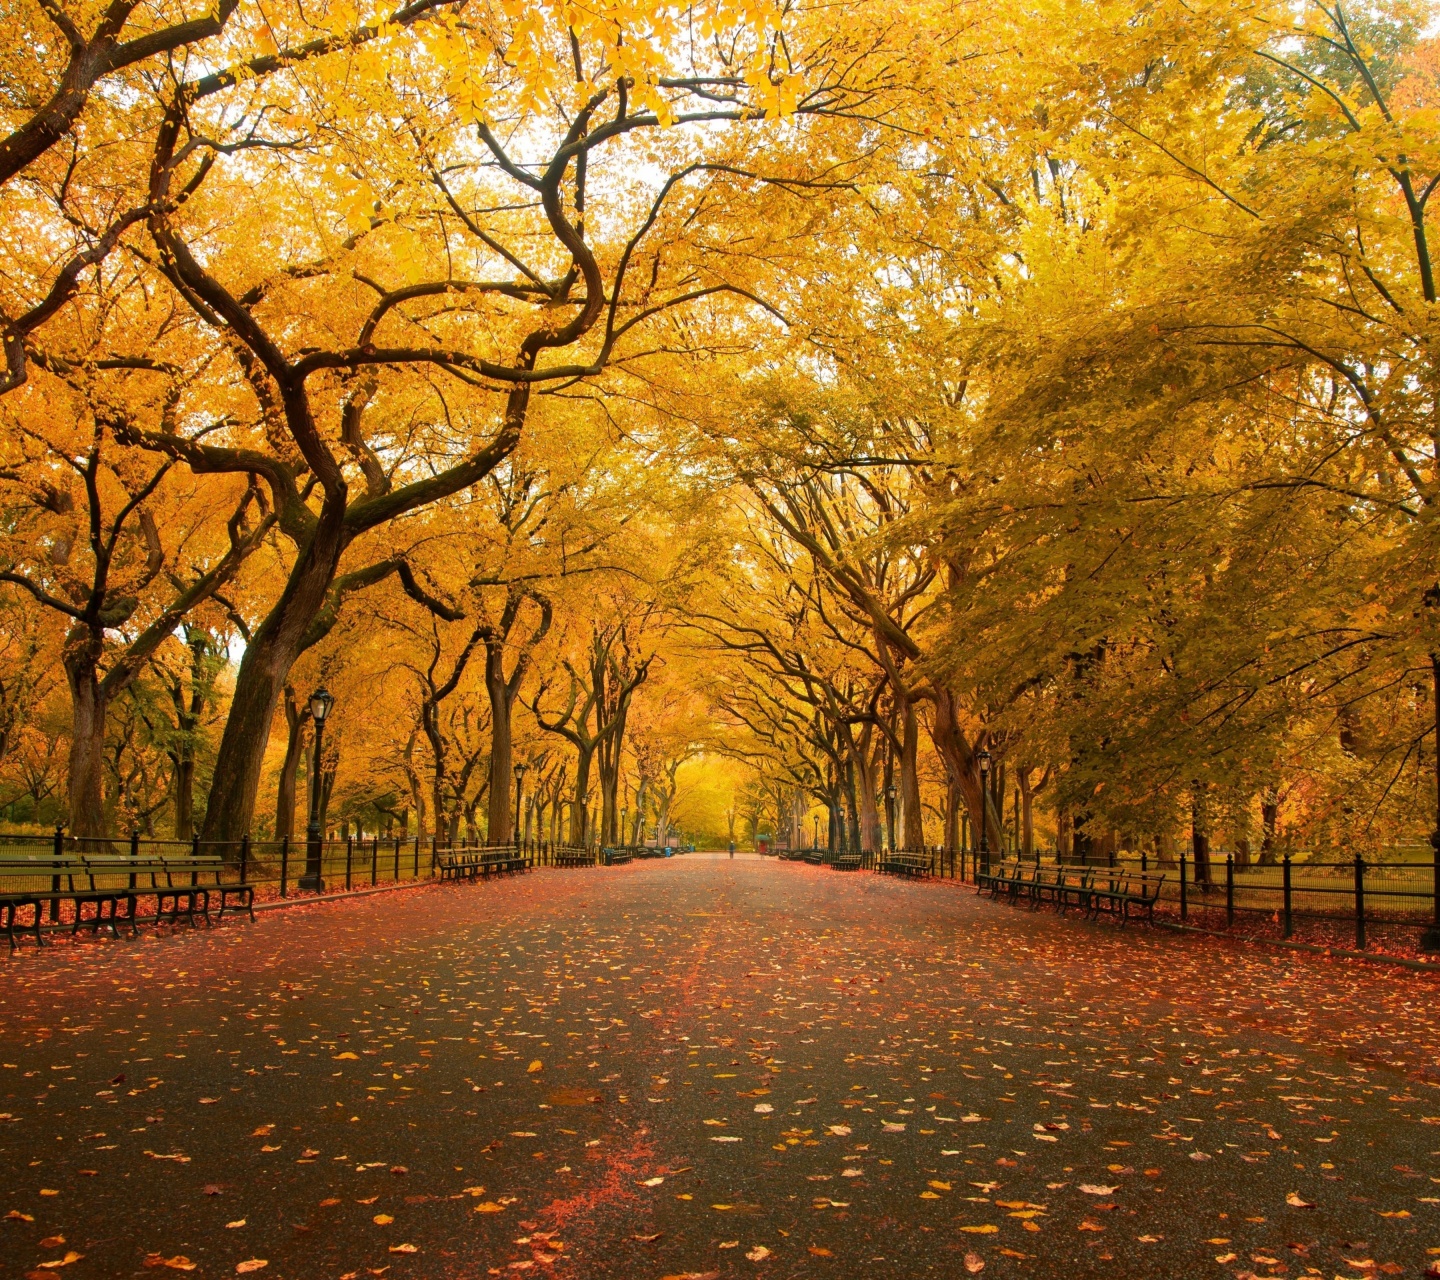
point(701, 1067)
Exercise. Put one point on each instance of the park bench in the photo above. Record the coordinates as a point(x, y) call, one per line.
point(1121, 892)
point(996, 877)
point(1048, 884)
point(792, 855)
point(111, 885)
point(815, 857)
point(574, 858)
point(472, 864)
point(11, 904)
point(847, 862)
point(906, 864)
point(617, 857)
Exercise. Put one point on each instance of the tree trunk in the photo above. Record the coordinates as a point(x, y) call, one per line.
point(1027, 815)
point(295, 718)
point(412, 776)
point(912, 819)
point(959, 757)
point(1269, 819)
point(868, 786)
point(952, 815)
point(263, 670)
point(502, 701)
point(1200, 838)
point(579, 812)
point(87, 742)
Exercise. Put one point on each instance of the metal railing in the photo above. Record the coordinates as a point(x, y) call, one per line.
point(1361, 894)
point(53, 865)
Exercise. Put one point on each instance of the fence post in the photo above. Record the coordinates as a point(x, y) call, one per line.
point(284, 863)
point(415, 875)
point(1184, 905)
point(244, 856)
point(396, 876)
point(1143, 867)
point(1359, 903)
point(374, 859)
point(1289, 921)
point(349, 858)
point(434, 853)
point(134, 850)
point(1229, 890)
point(194, 854)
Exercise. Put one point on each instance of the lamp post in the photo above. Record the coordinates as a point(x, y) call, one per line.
point(320, 703)
point(519, 782)
point(624, 823)
point(982, 758)
point(890, 814)
point(815, 839)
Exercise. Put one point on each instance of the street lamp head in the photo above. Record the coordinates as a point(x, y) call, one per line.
point(320, 703)
point(890, 792)
point(982, 758)
point(520, 770)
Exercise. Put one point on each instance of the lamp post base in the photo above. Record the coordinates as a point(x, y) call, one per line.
point(312, 883)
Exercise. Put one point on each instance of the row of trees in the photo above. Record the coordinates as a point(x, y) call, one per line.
point(1120, 478)
point(871, 395)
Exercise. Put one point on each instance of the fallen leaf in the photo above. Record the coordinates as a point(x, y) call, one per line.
point(984, 1229)
point(820, 1251)
point(974, 1263)
point(758, 1254)
point(52, 1242)
point(208, 1102)
point(252, 1264)
point(537, 1065)
point(382, 1219)
point(347, 1056)
point(404, 1248)
point(1093, 1189)
point(651, 1182)
point(489, 1206)
point(70, 1256)
point(1295, 1202)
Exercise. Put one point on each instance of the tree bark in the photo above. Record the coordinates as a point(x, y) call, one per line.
point(912, 823)
point(1200, 838)
point(295, 718)
point(258, 684)
point(87, 742)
